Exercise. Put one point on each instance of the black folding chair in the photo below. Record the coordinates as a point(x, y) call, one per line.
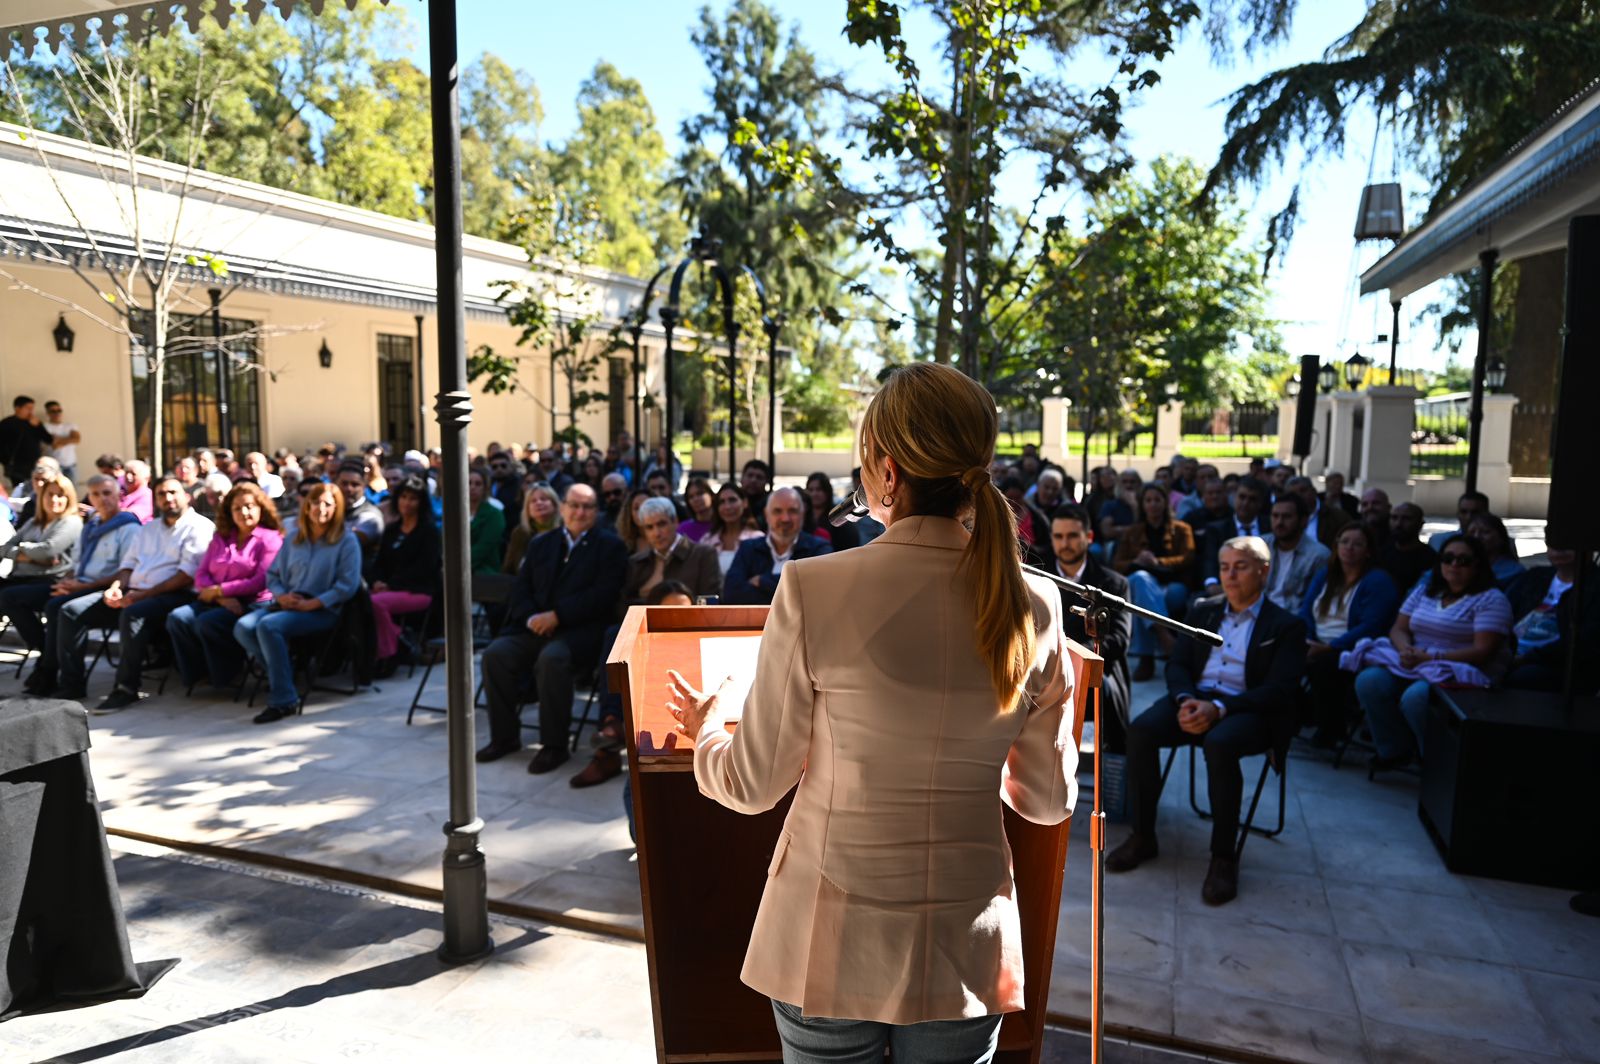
point(1276, 758)
point(489, 594)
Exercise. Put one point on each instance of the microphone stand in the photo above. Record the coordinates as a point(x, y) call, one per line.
point(1096, 612)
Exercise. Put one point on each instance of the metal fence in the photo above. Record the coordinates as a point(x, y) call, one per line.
point(1439, 430)
point(1236, 424)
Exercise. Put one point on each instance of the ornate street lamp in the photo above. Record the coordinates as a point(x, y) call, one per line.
point(1494, 374)
point(1327, 378)
point(63, 334)
point(1355, 370)
point(1291, 387)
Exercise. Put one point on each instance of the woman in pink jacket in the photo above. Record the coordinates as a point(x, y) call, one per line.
point(909, 687)
point(232, 577)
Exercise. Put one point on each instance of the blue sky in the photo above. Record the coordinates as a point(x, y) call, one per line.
point(559, 44)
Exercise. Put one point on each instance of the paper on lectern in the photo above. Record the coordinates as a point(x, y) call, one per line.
point(735, 656)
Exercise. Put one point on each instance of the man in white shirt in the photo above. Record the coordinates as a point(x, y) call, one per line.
point(261, 472)
point(157, 576)
point(1233, 701)
point(1295, 556)
point(66, 437)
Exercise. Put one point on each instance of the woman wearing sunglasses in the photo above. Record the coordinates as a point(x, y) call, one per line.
point(1451, 629)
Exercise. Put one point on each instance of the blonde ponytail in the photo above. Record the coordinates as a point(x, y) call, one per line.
point(940, 427)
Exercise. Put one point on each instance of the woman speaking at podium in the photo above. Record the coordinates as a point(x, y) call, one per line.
point(910, 686)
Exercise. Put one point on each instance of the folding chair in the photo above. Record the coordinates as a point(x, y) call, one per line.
point(1276, 758)
point(489, 590)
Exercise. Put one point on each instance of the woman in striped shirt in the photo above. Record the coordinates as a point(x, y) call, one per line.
point(1452, 629)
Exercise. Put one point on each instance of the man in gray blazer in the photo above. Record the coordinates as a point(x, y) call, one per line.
point(1296, 557)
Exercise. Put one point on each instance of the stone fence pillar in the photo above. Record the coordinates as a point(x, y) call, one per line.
point(1054, 444)
point(1342, 439)
point(1494, 451)
point(1169, 431)
point(1386, 442)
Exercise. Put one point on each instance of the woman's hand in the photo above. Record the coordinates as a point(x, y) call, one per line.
point(1411, 657)
point(689, 707)
point(232, 605)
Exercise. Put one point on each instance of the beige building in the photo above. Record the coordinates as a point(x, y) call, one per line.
point(320, 306)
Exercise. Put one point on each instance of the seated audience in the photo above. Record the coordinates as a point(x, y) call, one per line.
point(593, 473)
point(1278, 477)
point(488, 526)
point(564, 596)
point(405, 573)
point(1071, 534)
point(1121, 512)
point(42, 552)
point(1211, 507)
point(701, 501)
point(1406, 559)
point(628, 523)
point(34, 610)
point(552, 472)
point(1549, 621)
point(1295, 556)
point(755, 479)
point(1350, 599)
point(752, 579)
point(188, 473)
point(541, 513)
point(1048, 491)
point(1451, 630)
point(613, 497)
point(258, 469)
point(136, 495)
point(1102, 489)
point(1373, 511)
point(669, 559)
point(1033, 528)
point(1322, 523)
point(362, 518)
point(231, 578)
point(731, 525)
point(505, 482)
point(819, 503)
point(1232, 701)
point(1250, 501)
point(157, 577)
point(1508, 569)
point(213, 489)
point(1333, 494)
point(1468, 506)
point(45, 471)
point(1157, 556)
point(317, 570)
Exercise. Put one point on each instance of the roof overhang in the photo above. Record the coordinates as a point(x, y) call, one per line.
point(1520, 207)
point(54, 23)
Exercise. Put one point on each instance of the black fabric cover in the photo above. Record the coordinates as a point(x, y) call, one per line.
point(63, 939)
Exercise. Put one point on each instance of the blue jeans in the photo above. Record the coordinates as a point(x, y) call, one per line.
point(819, 1040)
point(137, 627)
point(1396, 709)
point(265, 636)
point(203, 644)
point(1145, 589)
point(68, 619)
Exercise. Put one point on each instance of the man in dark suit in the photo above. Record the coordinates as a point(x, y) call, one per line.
point(564, 595)
point(753, 577)
point(1333, 494)
point(1249, 518)
point(1071, 532)
point(1233, 701)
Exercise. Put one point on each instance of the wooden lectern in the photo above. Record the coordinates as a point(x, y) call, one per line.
point(702, 867)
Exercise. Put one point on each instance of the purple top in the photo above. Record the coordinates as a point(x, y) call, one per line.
point(693, 530)
point(241, 571)
point(141, 503)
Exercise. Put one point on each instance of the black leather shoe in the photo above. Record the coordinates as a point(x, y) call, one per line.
point(39, 683)
point(1135, 850)
point(273, 713)
point(1378, 763)
point(547, 758)
point(70, 694)
point(119, 698)
point(1222, 881)
point(494, 752)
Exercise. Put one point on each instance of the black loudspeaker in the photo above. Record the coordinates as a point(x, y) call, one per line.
point(1305, 412)
point(1574, 514)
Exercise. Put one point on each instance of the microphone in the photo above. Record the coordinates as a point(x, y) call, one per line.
point(851, 510)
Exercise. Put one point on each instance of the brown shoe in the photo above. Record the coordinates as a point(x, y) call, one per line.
point(1146, 669)
point(1222, 881)
point(603, 766)
point(609, 736)
point(1135, 850)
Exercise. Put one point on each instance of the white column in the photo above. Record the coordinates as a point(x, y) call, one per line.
point(1169, 431)
point(1386, 442)
point(1342, 408)
point(1054, 444)
point(1287, 409)
point(1494, 451)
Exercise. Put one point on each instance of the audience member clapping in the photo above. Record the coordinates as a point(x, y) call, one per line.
point(231, 578)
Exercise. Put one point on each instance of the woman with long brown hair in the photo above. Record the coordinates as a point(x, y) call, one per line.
point(231, 578)
point(1156, 554)
point(317, 569)
point(1351, 599)
point(909, 686)
point(731, 524)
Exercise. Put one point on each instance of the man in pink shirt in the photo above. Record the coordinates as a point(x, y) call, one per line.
point(136, 497)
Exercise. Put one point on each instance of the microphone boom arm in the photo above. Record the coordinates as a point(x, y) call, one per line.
point(1105, 600)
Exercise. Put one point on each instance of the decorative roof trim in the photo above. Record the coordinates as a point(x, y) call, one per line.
point(86, 17)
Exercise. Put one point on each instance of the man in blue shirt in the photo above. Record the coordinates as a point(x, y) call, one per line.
point(752, 579)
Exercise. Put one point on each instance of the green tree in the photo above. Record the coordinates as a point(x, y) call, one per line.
point(500, 154)
point(617, 161)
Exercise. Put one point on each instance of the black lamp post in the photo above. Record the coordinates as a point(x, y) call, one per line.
point(1494, 375)
point(1327, 378)
point(63, 334)
point(224, 372)
point(1355, 370)
point(325, 356)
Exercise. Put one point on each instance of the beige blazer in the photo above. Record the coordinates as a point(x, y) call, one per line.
point(890, 895)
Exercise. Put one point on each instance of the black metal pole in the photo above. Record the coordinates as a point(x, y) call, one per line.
point(638, 434)
point(1394, 340)
point(422, 402)
point(224, 378)
point(669, 320)
point(772, 326)
point(466, 906)
point(1486, 263)
point(733, 410)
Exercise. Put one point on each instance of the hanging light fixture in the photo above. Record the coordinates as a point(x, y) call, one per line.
point(1494, 375)
point(1291, 387)
point(1327, 378)
point(1355, 370)
point(325, 356)
point(1170, 389)
point(63, 334)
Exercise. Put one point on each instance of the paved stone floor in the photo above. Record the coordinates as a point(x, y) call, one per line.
point(277, 968)
point(1349, 940)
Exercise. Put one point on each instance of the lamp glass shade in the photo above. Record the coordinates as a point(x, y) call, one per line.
point(1494, 375)
point(1291, 387)
point(1327, 377)
point(1355, 368)
point(63, 334)
point(325, 356)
